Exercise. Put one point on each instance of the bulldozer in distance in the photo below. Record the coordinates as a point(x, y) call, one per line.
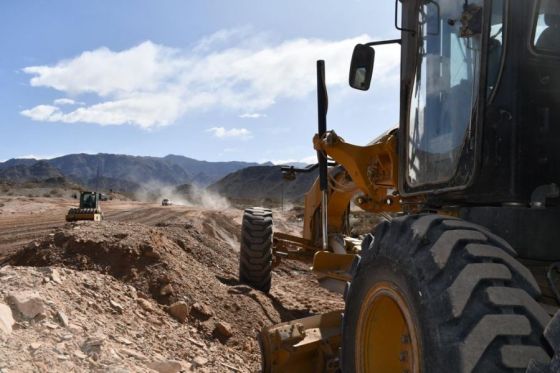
point(88, 210)
point(462, 274)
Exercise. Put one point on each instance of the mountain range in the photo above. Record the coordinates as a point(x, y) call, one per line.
point(115, 171)
point(139, 175)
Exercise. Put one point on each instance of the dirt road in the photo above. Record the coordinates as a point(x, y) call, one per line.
point(24, 219)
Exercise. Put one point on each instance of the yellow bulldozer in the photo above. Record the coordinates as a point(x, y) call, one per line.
point(467, 186)
point(89, 208)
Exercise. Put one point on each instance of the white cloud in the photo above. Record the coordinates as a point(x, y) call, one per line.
point(252, 115)
point(37, 156)
point(65, 101)
point(307, 160)
point(152, 85)
point(220, 37)
point(222, 133)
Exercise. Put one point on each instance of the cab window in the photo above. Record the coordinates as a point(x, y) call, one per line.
point(444, 92)
point(547, 27)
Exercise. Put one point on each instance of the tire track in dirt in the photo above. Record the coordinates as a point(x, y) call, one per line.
point(145, 216)
point(17, 231)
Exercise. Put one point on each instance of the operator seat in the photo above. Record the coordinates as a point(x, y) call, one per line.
point(549, 40)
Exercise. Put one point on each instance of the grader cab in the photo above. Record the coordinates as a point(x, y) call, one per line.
point(468, 186)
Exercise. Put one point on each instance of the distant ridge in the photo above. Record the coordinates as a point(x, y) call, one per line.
point(117, 171)
point(29, 172)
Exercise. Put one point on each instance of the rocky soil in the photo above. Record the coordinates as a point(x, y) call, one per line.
point(130, 297)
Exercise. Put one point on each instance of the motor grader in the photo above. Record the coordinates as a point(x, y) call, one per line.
point(468, 188)
point(88, 210)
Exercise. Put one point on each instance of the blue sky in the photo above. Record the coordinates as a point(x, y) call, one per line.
point(213, 80)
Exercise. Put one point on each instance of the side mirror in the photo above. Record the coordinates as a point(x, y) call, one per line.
point(361, 67)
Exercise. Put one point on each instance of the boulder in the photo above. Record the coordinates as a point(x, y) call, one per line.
point(6, 319)
point(179, 310)
point(166, 366)
point(29, 303)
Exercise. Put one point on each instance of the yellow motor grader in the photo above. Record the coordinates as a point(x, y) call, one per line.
point(88, 210)
point(468, 186)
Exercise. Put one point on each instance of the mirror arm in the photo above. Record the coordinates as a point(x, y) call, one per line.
point(413, 32)
point(384, 42)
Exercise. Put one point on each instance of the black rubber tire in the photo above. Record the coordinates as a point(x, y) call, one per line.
point(471, 301)
point(552, 335)
point(255, 257)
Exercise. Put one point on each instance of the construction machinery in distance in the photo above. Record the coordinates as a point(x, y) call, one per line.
point(462, 274)
point(89, 208)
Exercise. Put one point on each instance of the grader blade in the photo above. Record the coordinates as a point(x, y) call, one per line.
point(305, 345)
point(332, 270)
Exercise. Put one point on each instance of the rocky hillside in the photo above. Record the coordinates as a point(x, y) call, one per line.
point(263, 182)
point(30, 172)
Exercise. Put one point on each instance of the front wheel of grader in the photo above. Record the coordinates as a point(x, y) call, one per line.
point(255, 257)
point(438, 294)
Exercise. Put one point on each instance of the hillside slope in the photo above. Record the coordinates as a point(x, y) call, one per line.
point(38, 171)
point(263, 182)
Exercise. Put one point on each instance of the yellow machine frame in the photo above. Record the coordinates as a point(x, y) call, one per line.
point(368, 177)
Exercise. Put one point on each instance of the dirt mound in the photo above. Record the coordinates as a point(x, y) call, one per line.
point(85, 321)
point(189, 265)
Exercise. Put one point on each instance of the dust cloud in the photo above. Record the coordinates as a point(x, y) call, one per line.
point(185, 195)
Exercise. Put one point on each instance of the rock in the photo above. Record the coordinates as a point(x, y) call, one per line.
point(123, 340)
point(62, 318)
point(145, 304)
point(55, 276)
point(117, 306)
point(79, 354)
point(60, 348)
point(75, 328)
point(30, 304)
point(132, 291)
point(168, 366)
point(35, 346)
point(200, 361)
point(93, 345)
point(133, 353)
point(50, 325)
point(6, 270)
point(166, 290)
point(6, 319)
point(179, 310)
point(201, 311)
point(142, 295)
point(223, 329)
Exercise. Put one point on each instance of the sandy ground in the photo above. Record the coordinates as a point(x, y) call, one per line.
point(121, 277)
point(23, 219)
